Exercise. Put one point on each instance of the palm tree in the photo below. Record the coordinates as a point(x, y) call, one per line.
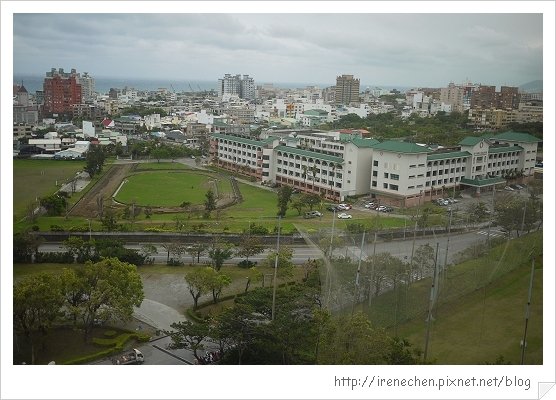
point(304, 174)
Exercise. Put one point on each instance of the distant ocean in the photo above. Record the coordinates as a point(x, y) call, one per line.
point(102, 85)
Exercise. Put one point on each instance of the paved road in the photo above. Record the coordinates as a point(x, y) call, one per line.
point(398, 248)
point(301, 253)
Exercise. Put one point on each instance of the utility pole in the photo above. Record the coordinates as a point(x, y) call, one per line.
point(356, 290)
point(372, 273)
point(528, 309)
point(445, 266)
point(431, 306)
point(328, 275)
point(276, 270)
point(413, 245)
point(523, 219)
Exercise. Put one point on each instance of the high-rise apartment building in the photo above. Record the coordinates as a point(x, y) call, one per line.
point(237, 85)
point(508, 98)
point(484, 97)
point(347, 90)
point(61, 91)
point(87, 83)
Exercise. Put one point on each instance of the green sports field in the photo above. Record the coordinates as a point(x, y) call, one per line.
point(168, 189)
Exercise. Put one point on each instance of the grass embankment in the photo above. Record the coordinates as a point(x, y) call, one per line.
point(34, 179)
point(480, 312)
point(163, 165)
point(45, 222)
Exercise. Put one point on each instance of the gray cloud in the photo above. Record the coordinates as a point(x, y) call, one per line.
point(403, 49)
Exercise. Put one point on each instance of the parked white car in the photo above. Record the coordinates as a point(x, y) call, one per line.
point(344, 216)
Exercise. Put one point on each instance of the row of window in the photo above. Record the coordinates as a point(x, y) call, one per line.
point(234, 151)
point(316, 180)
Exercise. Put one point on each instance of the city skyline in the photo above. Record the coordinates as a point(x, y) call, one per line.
point(386, 49)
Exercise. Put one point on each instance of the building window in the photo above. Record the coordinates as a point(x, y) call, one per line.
point(411, 187)
point(375, 173)
point(412, 166)
point(395, 177)
point(374, 184)
point(386, 175)
point(385, 185)
point(393, 187)
point(375, 163)
point(411, 176)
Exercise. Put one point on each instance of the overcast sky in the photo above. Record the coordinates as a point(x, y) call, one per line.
point(383, 49)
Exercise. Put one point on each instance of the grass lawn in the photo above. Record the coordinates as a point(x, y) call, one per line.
point(37, 178)
point(167, 189)
point(161, 166)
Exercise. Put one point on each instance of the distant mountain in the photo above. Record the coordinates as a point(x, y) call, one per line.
point(531, 87)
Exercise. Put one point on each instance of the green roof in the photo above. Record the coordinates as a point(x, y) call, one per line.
point(471, 140)
point(364, 143)
point(445, 155)
point(504, 149)
point(517, 137)
point(238, 139)
point(316, 112)
point(400, 147)
point(482, 182)
point(308, 153)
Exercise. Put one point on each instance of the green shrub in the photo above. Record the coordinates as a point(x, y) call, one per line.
point(94, 356)
point(56, 228)
point(110, 333)
point(194, 316)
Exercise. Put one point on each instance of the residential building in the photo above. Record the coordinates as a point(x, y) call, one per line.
point(61, 91)
point(87, 83)
point(237, 85)
point(347, 90)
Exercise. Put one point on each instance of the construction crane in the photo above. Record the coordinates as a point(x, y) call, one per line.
point(190, 88)
point(172, 86)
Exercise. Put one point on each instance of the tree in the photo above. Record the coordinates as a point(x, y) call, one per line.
point(25, 245)
point(82, 250)
point(210, 202)
point(198, 283)
point(94, 160)
point(188, 335)
point(37, 301)
point(284, 198)
point(176, 249)
point(216, 282)
point(250, 246)
point(477, 211)
point(310, 199)
point(285, 263)
point(74, 292)
point(111, 288)
point(423, 260)
point(298, 205)
point(54, 204)
point(350, 339)
point(219, 253)
point(147, 250)
point(109, 221)
point(253, 275)
point(377, 272)
point(159, 153)
point(197, 250)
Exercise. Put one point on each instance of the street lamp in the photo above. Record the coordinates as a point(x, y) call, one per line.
point(88, 219)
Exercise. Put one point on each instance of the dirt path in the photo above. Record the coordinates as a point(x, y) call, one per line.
point(105, 187)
